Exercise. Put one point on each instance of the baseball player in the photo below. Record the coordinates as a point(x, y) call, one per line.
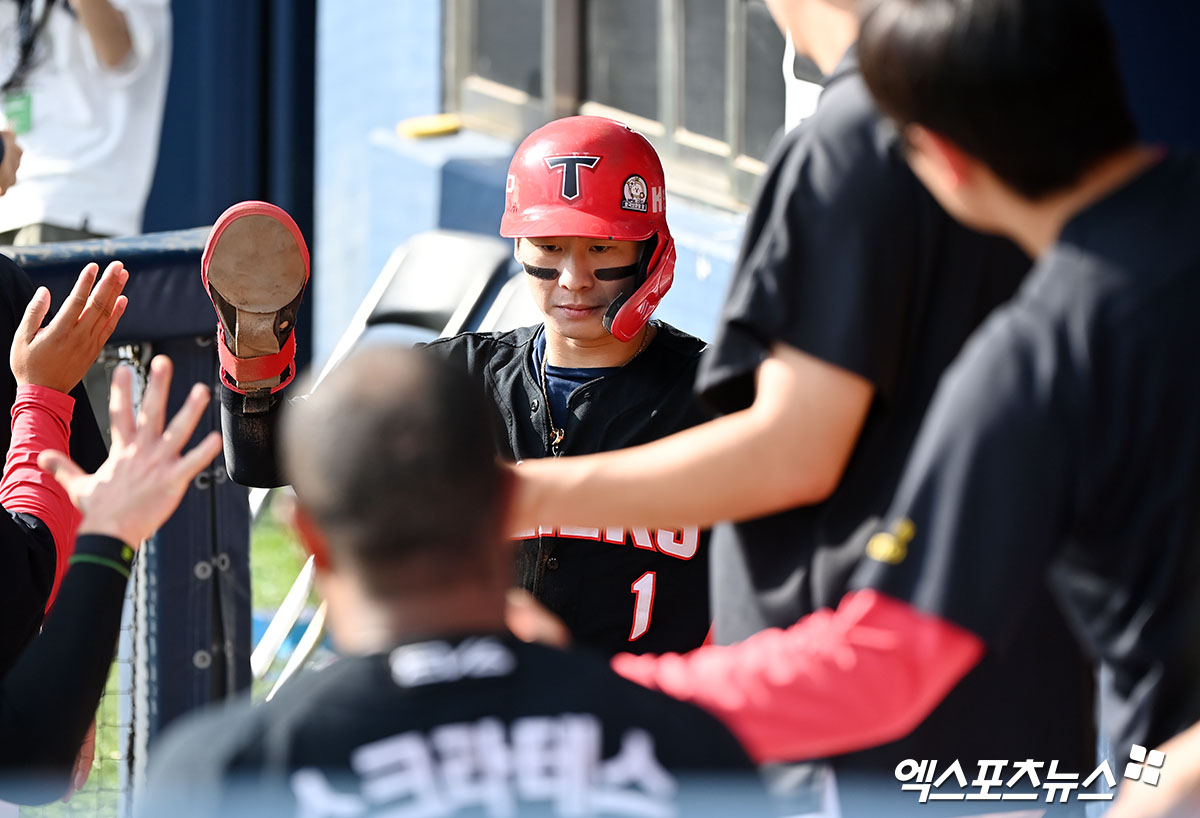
point(852, 292)
point(435, 710)
point(38, 547)
point(49, 692)
point(1062, 447)
point(585, 206)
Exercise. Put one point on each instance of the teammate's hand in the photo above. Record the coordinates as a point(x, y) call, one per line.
point(531, 621)
point(11, 161)
point(58, 355)
point(145, 476)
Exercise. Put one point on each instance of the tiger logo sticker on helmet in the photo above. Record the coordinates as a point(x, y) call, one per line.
point(570, 166)
point(634, 194)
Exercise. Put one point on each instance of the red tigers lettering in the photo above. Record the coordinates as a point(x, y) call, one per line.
point(681, 544)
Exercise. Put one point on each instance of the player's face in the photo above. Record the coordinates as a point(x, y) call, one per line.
point(574, 300)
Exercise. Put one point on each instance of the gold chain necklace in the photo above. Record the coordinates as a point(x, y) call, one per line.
point(558, 433)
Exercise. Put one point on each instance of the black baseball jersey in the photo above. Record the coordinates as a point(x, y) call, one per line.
point(638, 590)
point(483, 725)
point(1065, 444)
point(849, 259)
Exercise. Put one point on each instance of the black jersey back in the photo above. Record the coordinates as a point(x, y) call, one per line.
point(476, 726)
point(849, 259)
point(637, 590)
point(1065, 442)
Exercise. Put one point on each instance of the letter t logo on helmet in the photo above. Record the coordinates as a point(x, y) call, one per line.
point(570, 177)
point(594, 177)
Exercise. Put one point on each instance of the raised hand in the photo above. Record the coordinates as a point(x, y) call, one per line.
point(146, 474)
point(58, 355)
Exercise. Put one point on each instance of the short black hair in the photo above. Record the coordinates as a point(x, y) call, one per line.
point(1029, 87)
point(392, 457)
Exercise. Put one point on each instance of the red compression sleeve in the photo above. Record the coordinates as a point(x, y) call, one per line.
point(834, 682)
point(41, 420)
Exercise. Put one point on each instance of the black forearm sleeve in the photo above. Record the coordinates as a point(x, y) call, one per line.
point(49, 698)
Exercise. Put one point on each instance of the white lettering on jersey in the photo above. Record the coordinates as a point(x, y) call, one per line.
point(681, 544)
point(433, 662)
point(643, 605)
point(555, 760)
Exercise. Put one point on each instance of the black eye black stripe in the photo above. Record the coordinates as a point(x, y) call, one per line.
point(544, 273)
point(616, 273)
point(603, 274)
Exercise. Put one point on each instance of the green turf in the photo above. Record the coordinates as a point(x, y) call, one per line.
point(275, 556)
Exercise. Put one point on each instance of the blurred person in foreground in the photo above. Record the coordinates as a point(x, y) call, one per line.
point(852, 292)
point(49, 695)
point(435, 708)
point(1062, 446)
point(42, 393)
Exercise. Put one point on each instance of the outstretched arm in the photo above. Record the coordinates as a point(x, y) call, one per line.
point(834, 682)
point(788, 448)
point(47, 364)
point(49, 698)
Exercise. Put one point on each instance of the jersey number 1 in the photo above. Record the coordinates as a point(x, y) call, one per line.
point(643, 603)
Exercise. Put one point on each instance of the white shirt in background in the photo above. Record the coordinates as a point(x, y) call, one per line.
point(91, 151)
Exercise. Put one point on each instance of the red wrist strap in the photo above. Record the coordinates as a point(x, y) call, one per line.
point(260, 368)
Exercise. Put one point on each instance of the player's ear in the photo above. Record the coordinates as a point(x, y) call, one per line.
point(932, 153)
point(312, 538)
point(517, 249)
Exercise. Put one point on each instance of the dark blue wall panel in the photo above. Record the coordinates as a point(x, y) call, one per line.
point(1161, 66)
point(239, 117)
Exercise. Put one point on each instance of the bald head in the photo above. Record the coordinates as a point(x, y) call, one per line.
point(392, 458)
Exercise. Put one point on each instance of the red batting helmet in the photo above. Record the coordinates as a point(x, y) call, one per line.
point(596, 178)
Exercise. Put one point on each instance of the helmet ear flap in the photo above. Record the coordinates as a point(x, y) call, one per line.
point(626, 316)
point(645, 255)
